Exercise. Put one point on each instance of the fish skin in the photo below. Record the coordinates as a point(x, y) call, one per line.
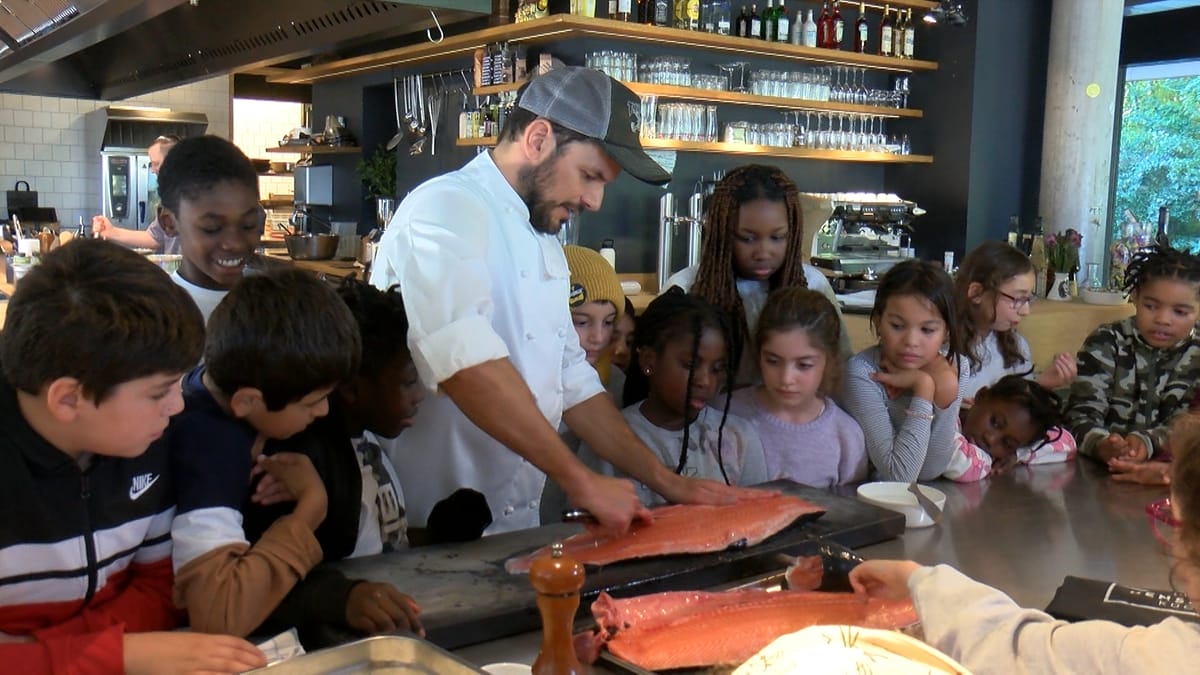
point(692, 629)
point(682, 528)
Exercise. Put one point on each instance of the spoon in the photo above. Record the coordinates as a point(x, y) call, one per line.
point(395, 140)
point(935, 514)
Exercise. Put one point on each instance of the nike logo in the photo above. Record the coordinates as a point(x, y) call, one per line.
point(141, 484)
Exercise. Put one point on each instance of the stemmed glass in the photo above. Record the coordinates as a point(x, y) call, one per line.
point(738, 68)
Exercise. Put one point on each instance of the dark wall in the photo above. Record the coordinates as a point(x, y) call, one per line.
point(1160, 37)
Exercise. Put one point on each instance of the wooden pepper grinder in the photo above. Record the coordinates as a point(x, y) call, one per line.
point(557, 580)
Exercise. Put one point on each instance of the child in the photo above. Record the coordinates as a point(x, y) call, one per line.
point(209, 193)
point(995, 291)
point(277, 345)
point(680, 362)
point(1137, 374)
point(806, 437)
point(753, 243)
point(1000, 429)
point(622, 337)
point(366, 505)
point(987, 632)
point(596, 301)
point(904, 392)
point(87, 494)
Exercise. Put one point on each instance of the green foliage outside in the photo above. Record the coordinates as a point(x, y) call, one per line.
point(1160, 158)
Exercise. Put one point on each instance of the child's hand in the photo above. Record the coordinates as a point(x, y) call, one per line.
point(1136, 450)
point(270, 490)
point(945, 381)
point(171, 652)
point(1062, 372)
point(896, 381)
point(380, 608)
point(295, 471)
point(887, 579)
point(1112, 446)
point(1144, 473)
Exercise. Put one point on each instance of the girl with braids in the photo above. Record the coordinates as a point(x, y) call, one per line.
point(985, 631)
point(806, 437)
point(995, 291)
point(679, 362)
point(905, 391)
point(999, 430)
point(753, 243)
point(1138, 374)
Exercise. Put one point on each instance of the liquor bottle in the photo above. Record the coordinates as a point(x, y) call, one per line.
point(721, 18)
point(862, 32)
point(898, 33)
point(1014, 230)
point(797, 35)
point(662, 13)
point(755, 22)
point(706, 17)
point(825, 27)
point(809, 34)
point(885, 32)
point(839, 25)
point(783, 24)
point(741, 26)
point(679, 14)
point(768, 23)
point(910, 37)
point(691, 14)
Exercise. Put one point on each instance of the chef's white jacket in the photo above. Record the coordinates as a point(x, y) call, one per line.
point(479, 284)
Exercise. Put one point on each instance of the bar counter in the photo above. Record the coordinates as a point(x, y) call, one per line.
point(1022, 533)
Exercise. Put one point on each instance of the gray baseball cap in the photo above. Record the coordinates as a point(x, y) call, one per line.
point(591, 103)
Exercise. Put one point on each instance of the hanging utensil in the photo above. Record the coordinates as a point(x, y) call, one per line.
point(436, 99)
point(395, 140)
point(418, 145)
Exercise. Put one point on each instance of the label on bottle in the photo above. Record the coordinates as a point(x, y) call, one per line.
point(908, 43)
point(662, 13)
point(693, 13)
point(755, 27)
point(612, 9)
point(862, 37)
point(785, 26)
point(839, 31)
point(885, 46)
point(723, 26)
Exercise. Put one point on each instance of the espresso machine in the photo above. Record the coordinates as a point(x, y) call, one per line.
point(864, 236)
point(670, 224)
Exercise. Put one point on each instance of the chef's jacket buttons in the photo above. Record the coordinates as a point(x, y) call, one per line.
point(524, 274)
point(562, 332)
point(508, 510)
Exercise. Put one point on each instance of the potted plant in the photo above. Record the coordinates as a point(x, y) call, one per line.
point(1062, 254)
point(378, 174)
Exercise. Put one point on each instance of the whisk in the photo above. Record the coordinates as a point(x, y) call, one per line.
point(435, 101)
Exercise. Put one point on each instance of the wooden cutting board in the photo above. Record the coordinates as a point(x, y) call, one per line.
point(466, 597)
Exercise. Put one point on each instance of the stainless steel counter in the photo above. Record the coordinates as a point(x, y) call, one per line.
point(1022, 532)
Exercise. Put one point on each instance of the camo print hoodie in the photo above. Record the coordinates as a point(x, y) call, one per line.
point(1126, 386)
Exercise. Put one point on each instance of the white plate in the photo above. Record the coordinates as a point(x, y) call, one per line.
point(894, 496)
point(507, 669)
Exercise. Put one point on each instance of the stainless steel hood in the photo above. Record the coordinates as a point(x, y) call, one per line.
point(134, 129)
point(115, 49)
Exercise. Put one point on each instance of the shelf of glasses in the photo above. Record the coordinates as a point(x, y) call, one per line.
point(677, 93)
point(560, 27)
point(761, 150)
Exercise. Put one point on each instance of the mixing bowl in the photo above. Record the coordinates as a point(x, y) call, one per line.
point(311, 246)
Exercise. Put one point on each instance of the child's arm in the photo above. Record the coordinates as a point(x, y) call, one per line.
point(112, 650)
point(1059, 447)
point(752, 460)
point(326, 596)
point(227, 585)
point(969, 462)
point(1087, 407)
point(852, 462)
point(898, 454)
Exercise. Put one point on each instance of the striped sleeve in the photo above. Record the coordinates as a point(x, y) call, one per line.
point(896, 453)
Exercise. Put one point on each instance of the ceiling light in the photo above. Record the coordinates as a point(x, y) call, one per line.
point(948, 12)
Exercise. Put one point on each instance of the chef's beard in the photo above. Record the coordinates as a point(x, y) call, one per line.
point(532, 185)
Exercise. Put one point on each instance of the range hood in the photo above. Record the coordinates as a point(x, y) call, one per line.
point(115, 49)
point(134, 129)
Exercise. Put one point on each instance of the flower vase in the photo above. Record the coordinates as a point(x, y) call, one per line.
point(1060, 288)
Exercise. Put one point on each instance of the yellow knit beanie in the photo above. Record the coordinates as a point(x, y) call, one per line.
point(592, 279)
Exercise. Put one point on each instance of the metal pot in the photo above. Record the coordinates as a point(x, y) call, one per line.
point(311, 246)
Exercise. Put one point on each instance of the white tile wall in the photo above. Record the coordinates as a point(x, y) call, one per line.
point(42, 141)
point(258, 125)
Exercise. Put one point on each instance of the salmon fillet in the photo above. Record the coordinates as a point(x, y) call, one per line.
point(683, 528)
point(694, 629)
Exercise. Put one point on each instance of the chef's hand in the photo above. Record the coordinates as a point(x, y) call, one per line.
point(380, 608)
point(887, 579)
point(611, 501)
point(681, 490)
point(101, 226)
point(1144, 473)
point(181, 652)
point(1060, 373)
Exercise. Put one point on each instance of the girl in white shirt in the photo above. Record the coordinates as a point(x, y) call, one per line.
point(995, 286)
point(679, 362)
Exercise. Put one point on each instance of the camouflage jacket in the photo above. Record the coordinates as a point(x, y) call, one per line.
point(1126, 386)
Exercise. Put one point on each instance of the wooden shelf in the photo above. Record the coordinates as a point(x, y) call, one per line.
point(565, 26)
point(712, 96)
point(318, 149)
point(759, 150)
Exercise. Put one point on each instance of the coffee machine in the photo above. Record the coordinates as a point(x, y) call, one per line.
point(864, 236)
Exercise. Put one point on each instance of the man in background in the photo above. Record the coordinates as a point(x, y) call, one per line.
point(153, 237)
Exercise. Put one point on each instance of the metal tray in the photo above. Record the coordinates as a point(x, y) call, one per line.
point(390, 654)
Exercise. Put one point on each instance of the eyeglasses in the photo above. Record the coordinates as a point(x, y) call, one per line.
point(1018, 303)
point(1162, 521)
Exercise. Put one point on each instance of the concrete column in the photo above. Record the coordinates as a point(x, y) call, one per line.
point(1081, 96)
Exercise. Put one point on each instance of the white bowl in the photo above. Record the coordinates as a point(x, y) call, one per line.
point(507, 669)
point(168, 262)
point(895, 496)
point(1094, 296)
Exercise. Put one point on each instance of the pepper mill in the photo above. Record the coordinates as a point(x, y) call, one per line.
point(557, 580)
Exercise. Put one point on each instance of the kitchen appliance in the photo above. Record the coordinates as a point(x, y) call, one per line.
point(129, 191)
point(669, 222)
point(313, 185)
point(863, 237)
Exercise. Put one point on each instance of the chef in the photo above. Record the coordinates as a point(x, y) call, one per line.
point(153, 237)
point(485, 284)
